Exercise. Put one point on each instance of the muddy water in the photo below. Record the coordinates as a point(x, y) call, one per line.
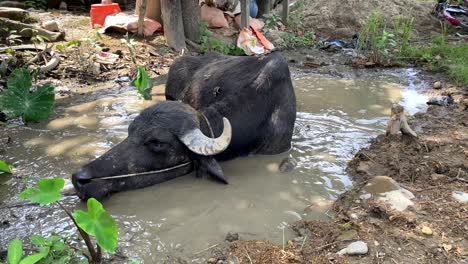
point(336, 117)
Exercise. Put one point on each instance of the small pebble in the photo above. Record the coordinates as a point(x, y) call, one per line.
point(437, 85)
point(426, 230)
point(355, 248)
point(230, 237)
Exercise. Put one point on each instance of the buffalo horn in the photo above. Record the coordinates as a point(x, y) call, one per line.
point(197, 142)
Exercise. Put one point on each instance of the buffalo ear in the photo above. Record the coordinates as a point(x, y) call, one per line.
point(209, 166)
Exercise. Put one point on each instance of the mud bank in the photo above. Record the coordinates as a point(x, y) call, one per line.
point(415, 214)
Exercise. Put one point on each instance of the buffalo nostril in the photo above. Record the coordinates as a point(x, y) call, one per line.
point(82, 176)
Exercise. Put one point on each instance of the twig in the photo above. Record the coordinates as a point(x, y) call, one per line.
point(248, 256)
point(303, 242)
point(208, 248)
point(326, 245)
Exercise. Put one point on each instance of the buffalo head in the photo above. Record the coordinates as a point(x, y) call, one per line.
point(165, 138)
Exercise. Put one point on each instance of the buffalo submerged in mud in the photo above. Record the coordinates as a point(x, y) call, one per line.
point(218, 108)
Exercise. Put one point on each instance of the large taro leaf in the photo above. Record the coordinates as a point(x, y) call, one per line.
point(47, 191)
point(98, 223)
point(4, 167)
point(15, 251)
point(18, 100)
point(143, 83)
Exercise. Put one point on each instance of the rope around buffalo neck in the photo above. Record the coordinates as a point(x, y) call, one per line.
point(157, 171)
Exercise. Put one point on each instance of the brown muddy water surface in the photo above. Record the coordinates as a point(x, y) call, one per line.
point(336, 117)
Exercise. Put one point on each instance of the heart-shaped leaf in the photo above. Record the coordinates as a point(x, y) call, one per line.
point(18, 100)
point(143, 83)
point(98, 223)
point(15, 251)
point(4, 167)
point(47, 191)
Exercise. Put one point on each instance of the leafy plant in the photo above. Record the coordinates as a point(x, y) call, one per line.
point(143, 83)
point(15, 254)
point(209, 44)
point(5, 167)
point(96, 222)
point(37, 4)
point(20, 100)
point(292, 40)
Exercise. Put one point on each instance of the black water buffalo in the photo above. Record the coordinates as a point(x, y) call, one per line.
point(218, 108)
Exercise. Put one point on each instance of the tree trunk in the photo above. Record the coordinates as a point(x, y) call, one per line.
point(285, 13)
point(141, 18)
point(153, 9)
point(245, 13)
point(398, 122)
point(191, 19)
point(173, 26)
point(264, 7)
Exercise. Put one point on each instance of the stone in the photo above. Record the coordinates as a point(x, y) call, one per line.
point(287, 164)
point(389, 191)
point(355, 248)
point(438, 177)
point(348, 235)
point(437, 85)
point(460, 196)
point(51, 26)
point(212, 260)
point(426, 230)
point(232, 236)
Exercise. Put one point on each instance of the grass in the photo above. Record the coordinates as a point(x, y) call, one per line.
point(382, 42)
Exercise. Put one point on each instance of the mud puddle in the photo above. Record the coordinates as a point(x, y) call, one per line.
point(336, 117)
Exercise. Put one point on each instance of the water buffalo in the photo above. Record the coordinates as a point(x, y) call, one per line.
point(218, 108)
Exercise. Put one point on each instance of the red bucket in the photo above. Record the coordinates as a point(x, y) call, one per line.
point(99, 12)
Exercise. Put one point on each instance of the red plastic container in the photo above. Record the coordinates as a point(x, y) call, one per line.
point(99, 12)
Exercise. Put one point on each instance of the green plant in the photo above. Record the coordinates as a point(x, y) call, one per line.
point(143, 83)
point(271, 21)
point(403, 26)
point(130, 43)
point(51, 250)
point(20, 100)
point(15, 254)
point(37, 4)
point(297, 16)
point(96, 222)
point(5, 167)
point(208, 44)
point(292, 40)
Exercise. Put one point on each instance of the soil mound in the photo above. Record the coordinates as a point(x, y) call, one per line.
point(343, 18)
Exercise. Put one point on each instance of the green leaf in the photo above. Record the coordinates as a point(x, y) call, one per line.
point(143, 83)
point(48, 191)
point(18, 100)
point(5, 167)
point(38, 240)
point(35, 257)
point(98, 223)
point(15, 251)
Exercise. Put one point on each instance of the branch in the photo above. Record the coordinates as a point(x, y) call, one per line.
point(141, 18)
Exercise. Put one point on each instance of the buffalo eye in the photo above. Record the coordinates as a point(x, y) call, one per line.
point(157, 146)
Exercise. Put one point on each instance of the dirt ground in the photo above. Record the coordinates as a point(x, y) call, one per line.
point(335, 18)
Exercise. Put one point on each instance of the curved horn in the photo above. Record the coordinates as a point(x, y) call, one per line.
point(197, 142)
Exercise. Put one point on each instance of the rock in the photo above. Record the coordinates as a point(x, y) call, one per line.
point(232, 236)
point(348, 235)
point(51, 26)
point(461, 197)
point(389, 191)
point(441, 100)
point(438, 177)
point(355, 248)
point(68, 187)
point(426, 230)
point(220, 261)
point(288, 164)
point(212, 260)
point(14, 13)
point(437, 85)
